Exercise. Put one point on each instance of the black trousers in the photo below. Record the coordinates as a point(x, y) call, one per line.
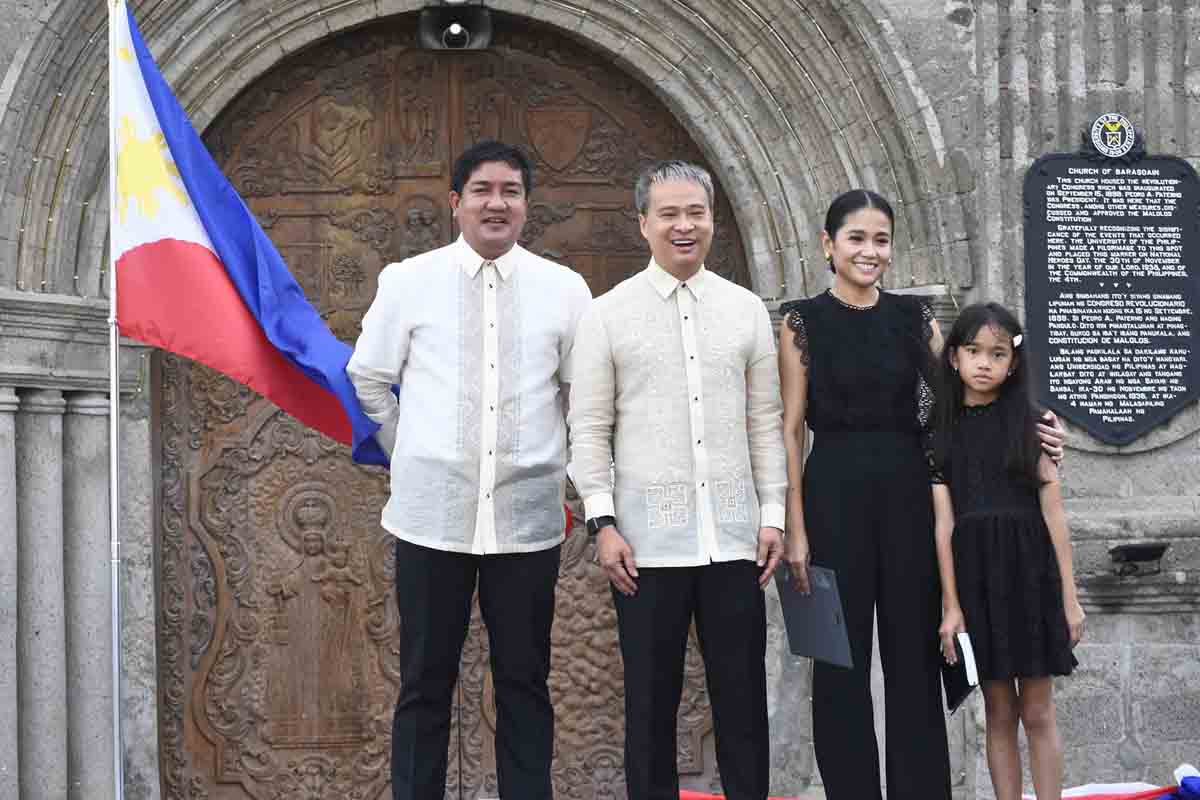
point(730, 615)
point(869, 516)
point(516, 595)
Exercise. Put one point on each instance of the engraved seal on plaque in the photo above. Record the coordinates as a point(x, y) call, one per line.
point(1113, 135)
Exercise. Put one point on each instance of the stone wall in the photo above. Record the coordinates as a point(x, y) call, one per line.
point(940, 105)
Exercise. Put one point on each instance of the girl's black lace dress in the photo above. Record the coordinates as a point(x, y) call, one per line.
point(1009, 583)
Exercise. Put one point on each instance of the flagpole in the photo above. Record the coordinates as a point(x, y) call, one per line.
point(114, 417)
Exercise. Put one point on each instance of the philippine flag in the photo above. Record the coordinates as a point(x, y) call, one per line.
point(196, 274)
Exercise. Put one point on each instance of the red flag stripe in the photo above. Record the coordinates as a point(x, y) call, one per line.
point(175, 295)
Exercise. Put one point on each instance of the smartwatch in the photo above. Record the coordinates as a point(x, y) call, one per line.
point(596, 523)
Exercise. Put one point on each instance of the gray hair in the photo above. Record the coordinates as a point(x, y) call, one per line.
point(670, 171)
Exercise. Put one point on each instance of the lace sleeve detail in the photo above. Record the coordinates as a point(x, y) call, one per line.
point(925, 401)
point(927, 321)
point(795, 323)
point(936, 473)
point(925, 398)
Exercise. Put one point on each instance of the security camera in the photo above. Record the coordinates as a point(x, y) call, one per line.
point(456, 37)
point(1138, 558)
point(455, 27)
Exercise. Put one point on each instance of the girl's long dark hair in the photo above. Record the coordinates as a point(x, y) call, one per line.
point(1015, 402)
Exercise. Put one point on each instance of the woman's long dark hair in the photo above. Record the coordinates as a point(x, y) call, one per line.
point(1015, 402)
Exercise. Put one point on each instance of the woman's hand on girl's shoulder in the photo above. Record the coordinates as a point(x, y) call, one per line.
point(1075, 618)
point(953, 623)
point(1052, 435)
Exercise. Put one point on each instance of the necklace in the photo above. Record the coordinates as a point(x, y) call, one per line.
point(852, 305)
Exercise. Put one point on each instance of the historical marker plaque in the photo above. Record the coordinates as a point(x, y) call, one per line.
point(1112, 266)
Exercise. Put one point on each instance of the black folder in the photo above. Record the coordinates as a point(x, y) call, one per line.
point(960, 680)
point(816, 624)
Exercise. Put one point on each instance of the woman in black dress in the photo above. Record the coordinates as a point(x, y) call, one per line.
point(856, 364)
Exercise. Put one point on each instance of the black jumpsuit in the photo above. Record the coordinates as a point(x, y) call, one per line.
point(869, 516)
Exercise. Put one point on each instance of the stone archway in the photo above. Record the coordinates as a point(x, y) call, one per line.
point(277, 667)
point(790, 102)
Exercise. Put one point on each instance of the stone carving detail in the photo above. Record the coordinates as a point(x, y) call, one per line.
point(278, 625)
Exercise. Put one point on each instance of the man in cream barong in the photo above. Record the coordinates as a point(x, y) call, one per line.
point(677, 445)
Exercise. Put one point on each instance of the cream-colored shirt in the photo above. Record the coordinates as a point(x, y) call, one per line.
point(675, 418)
point(477, 438)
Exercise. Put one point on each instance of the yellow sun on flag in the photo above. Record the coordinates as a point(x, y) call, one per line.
point(144, 167)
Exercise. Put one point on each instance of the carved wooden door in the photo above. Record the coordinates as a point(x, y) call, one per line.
point(278, 623)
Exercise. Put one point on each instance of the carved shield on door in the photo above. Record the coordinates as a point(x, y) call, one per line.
point(558, 134)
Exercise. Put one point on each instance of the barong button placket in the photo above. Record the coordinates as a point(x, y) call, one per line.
point(685, 303)
point(485, 519)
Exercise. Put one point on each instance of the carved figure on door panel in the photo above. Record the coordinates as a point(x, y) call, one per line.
point(611, 155)
point(422, 227)
point(316, 691)
point(347, 278)
point(484, 114)
point(412, 142)
point(342, 620)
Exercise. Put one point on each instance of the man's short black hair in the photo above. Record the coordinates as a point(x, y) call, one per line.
point(490, 150)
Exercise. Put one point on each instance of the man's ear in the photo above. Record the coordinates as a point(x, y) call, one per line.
point(455, 199)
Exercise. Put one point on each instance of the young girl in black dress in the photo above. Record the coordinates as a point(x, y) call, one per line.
point(1004, 552)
